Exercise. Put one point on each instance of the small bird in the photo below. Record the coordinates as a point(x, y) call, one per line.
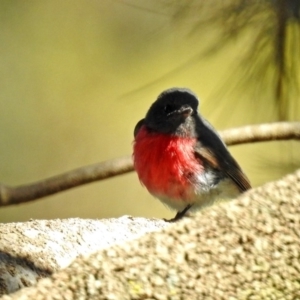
point(181, 159)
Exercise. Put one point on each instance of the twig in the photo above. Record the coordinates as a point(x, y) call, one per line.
point(87, 174)
point(261, 133)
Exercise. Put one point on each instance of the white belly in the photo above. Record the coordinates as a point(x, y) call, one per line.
point(203, 196)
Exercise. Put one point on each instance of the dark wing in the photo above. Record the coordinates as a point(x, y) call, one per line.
point(138, 126)
point(212, 151)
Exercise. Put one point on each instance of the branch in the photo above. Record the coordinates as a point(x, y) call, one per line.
point(87, 174)
point(261, 133)
point(24, 193)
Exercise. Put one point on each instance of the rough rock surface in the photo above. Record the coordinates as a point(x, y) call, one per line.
point(244, 249)
point(35, 249)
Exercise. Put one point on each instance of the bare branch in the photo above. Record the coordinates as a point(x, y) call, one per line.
point(261, 133)
point(248, 134)
point(87, 174)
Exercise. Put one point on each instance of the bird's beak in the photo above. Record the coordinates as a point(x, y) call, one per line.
point(185, 111)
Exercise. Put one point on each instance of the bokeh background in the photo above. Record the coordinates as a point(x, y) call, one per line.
point(76, 76)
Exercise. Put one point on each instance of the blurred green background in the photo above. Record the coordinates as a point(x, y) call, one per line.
point(76, 76)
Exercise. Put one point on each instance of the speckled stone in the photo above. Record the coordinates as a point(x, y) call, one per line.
point(244, 249)
point(33, 250)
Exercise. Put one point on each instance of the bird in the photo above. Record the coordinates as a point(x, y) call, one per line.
point(181, 159)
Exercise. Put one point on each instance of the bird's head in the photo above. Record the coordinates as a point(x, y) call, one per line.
point(173, 112)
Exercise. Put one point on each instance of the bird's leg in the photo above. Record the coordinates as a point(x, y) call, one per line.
point(180, 214)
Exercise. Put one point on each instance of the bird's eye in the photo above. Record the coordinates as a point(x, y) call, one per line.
point(168, 109)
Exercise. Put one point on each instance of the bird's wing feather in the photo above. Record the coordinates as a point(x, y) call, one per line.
point(211, 149)
point(229, 166)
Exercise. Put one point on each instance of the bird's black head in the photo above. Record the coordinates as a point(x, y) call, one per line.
point(174, 112)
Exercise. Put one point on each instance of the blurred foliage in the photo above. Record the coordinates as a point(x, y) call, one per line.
point(271, 61)
point(75, 77)
point(269, 30)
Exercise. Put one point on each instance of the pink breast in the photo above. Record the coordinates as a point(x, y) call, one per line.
point(165, 164)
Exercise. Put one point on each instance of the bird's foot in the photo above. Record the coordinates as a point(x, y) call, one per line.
point(179, 214)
